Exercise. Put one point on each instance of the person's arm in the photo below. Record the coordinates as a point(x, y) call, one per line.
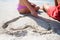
point(56, 3)
point(33, 12)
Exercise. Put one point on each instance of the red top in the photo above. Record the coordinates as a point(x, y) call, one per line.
point(54, 12)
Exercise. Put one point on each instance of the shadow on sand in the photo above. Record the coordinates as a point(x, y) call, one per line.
point(51, 25)
point(48, 24)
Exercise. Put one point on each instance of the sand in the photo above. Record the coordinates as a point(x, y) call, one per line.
point(21, 27)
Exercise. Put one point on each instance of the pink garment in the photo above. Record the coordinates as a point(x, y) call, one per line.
point(21, 7)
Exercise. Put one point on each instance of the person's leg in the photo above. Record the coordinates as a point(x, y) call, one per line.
point(26, 10)
point(45, 7)
point(36, 8)
point(56, 2)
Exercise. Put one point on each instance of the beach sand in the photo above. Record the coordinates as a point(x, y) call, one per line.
point(26, 27)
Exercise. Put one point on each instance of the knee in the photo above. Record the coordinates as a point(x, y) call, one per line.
point(46, 7)
point(37, 8)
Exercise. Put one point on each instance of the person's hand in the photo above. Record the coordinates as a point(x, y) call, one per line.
point(33, 5)
point(35, 14)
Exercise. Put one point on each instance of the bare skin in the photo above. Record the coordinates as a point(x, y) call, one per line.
point(46, 7)
point(30, 8)
point(57, 2)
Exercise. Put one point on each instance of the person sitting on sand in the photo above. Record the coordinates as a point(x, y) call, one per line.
point(53, 11)
point(25, 7)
